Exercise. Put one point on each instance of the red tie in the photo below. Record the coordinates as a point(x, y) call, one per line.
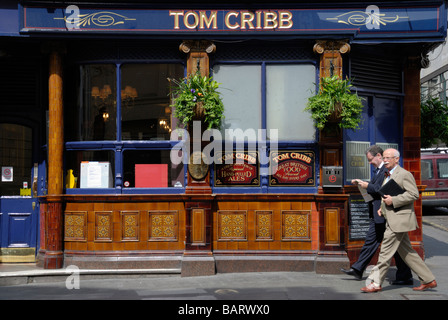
point(387, 174)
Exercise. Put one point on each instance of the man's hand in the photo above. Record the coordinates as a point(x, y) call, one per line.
point(388, 200)
point(361, 183)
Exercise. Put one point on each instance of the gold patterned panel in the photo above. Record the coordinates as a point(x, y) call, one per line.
point(163, 225)
point(130, 225)
point(75, 226)
point(103, 226)
point(296, 225)
point(232, 225)
point(264, 225)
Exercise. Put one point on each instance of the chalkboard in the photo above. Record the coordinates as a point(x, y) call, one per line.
point(359, 218)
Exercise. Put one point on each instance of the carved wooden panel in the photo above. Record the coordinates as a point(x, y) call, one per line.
point(163, 225)
point(232, 225)
point(198, 226)
point(103, 226)
point(75, 226)
point(130, 226)
point(264, 225)
point(296, 225)
point(331, 216)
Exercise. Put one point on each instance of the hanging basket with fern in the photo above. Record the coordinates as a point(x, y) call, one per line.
point(335, 102)
point(197, 98)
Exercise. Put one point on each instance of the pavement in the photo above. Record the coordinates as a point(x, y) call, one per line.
point(26, 281)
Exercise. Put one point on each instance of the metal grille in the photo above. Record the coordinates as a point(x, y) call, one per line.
point(385, 145)
point(357, 164)
point(259, 52)
point(374, 73)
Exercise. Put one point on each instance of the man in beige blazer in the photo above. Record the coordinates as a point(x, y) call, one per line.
point(400, 219)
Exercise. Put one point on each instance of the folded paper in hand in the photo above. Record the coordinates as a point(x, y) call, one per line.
point(391, 188)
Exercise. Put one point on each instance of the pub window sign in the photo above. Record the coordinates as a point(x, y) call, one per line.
point(237, 168)
point(293, 168)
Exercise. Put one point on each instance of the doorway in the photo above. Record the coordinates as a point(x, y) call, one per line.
point(19, 208)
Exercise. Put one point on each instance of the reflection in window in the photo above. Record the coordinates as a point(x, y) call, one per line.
point(151, 169)
point(94, 117)
point(145, 101)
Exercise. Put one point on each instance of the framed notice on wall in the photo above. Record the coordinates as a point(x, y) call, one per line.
point(293, 168)
point(237, 168)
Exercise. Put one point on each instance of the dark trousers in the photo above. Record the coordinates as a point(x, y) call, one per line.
point(373, 240)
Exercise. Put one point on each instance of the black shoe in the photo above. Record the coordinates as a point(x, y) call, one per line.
point(408, 282)
point(352, 272)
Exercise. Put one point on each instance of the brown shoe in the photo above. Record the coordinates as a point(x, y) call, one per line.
point(425, 286)
point(371, 288)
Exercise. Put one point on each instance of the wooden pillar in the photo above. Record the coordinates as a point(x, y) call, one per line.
point(198, 174)
point(198, 257)
point(330, 138)
point(333, 209)
point(53, 255)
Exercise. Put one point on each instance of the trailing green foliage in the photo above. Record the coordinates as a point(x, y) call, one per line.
point(434, 123)
point(335, 98)
point(196, 90)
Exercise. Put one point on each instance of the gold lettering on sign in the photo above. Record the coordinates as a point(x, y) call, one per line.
point(233, 20)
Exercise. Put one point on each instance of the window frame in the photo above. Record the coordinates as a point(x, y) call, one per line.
point(118, 146)
point(264, 144)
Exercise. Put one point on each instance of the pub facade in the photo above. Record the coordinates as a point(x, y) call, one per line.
point(97, 173)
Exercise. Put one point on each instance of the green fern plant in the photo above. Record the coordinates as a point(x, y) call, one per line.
point(198, 98)
point(334, 99)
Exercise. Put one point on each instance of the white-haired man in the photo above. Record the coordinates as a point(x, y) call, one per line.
point(400, 216)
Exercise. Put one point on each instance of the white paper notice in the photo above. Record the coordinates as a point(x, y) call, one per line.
point(367, 197)
point(94, 175)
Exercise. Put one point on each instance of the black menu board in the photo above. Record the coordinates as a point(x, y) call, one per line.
point(359, 218)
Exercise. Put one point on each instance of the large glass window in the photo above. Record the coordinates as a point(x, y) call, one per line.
point(287, 90)
point(97, 106)
point(240, 89)
point(146, 112)
point(268, 96)
point(119, 107)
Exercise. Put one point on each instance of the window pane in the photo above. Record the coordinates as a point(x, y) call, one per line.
point(427, 170)
point(241, 92)
point(90, 169)
point(95, 114)
point(151, 169)
point(287, 90)
point(15, 158)
point(145, 100)
point(442, 168)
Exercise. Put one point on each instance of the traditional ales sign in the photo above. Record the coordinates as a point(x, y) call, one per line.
point(292, 168)
point(237, 168)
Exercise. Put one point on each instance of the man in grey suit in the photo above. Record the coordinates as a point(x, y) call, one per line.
point(400, 219)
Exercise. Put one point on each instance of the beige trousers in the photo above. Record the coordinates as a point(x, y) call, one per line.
point(393, 242)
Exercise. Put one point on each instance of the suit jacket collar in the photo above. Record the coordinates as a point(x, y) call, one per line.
point(396, 171)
